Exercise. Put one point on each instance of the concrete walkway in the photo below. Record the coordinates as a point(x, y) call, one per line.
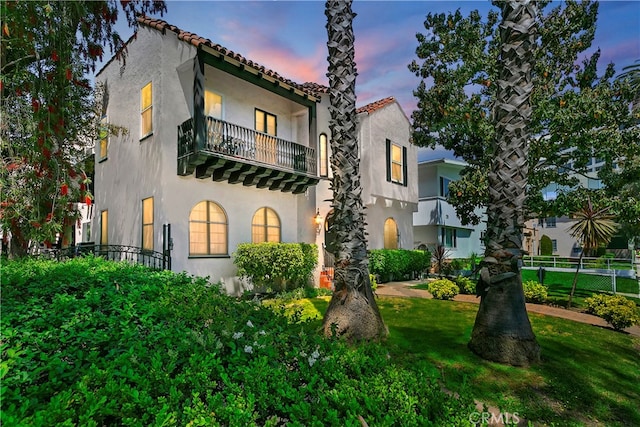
point(404, 289)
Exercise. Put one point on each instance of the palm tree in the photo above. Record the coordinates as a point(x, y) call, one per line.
point(352, 312)
point(632, 72)
point(593, 227)
point(502, 331)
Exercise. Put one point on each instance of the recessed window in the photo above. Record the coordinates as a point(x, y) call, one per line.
point(266, 122)
point(390, 234)
point(323, 155)
point(146, 110)
point(104, 227)
point(554, 246)
point(208, 229)
point(396, 163)
point(212, 104)
point(444, 186)
point(265, 226)
point(551, 222)
point(103, 134)
point(147, 224)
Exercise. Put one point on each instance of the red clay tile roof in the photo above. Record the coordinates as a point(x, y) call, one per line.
point(375, 106)
point(197, 41)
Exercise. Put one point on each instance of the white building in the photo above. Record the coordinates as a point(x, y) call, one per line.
point(227, 151)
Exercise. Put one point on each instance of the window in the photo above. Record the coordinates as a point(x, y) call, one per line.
point(207, 229)
point(147, 224)
point(554, 246)
point(444, 186)
point(104, 227)
point(266, 122)
point(390, 234)
point(146, 110)
point(396, 163)
point(212, 105)
point(324, 155)
point(551, 222)
point(265, 226)
point(449, 237)
point(103, 134)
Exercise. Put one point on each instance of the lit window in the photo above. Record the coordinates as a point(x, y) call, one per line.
point(266, 122)
point(207, 229)
point(266, 146)
point(103, 134)
point(324, 155)
point(396, 163)
point(212, 105)
point(449, 237)
point(390, 234)
point(147, 224)
point(146, 110)
point(104, 227)
point(265, 226)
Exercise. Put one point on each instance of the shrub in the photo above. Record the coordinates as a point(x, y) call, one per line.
point(443, 289)
point(276, 266)
point(388, 264)
point(92, 342)
point(546, 245)
point(534, 291)
point(466, 285)
point(374, 282)
point(617, 310)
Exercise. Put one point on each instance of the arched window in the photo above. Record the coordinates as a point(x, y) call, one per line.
point(208, 229)
point(323, 155)
point(265, 226)
point(390, 234)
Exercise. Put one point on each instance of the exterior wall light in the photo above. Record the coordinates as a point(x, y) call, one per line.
point(317, 219)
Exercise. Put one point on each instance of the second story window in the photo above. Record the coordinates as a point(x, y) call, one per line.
point(266, 122)
point(551, 222)
point(444, 186)
point(212, 105)
point(323, 155)
point(396, 163)
point(146, 110)
point(104, 139)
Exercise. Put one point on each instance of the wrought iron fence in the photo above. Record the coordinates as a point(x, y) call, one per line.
point(132, 254)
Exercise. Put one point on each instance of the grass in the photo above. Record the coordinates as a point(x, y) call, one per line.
point(588, 376)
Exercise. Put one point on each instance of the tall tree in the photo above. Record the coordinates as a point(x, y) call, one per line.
point(352, 312)
point(593, 227)
point(50, 114)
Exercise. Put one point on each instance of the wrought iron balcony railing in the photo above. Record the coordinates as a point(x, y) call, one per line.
point(237, 142)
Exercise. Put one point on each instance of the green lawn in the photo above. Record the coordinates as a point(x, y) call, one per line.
point(588, 376)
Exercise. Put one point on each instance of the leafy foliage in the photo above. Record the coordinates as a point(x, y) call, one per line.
point(466, 285)
point(397, 263)
point(50, 113)
point(443, 289)
point(617, 310)
point(577, 113)
point(276, 266)
point(90, 342)
point(546, 245)
point(535, 292)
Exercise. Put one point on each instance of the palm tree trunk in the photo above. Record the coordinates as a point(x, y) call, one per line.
point(352, 312)
point(575, 278)
point(502, 331)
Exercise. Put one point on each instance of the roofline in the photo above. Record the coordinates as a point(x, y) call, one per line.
point(443, 161)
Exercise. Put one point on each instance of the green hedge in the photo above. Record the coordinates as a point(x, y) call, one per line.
point(277, 266)
point(398, 264)
point(90, 343)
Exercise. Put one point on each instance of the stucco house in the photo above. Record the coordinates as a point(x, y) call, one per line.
point(436, 222)
point(226, 151)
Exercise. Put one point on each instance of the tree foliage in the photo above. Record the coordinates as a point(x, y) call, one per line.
point(577, 113)
point(50, 111)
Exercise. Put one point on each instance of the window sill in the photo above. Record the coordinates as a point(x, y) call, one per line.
point(208, 256)
point(142, 138)
point(103, 159)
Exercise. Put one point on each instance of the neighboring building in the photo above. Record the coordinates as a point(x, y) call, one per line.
point(226, 151)
point(436, 223)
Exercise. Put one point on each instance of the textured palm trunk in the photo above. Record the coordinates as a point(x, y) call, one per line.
point(352, 312)
point(502, 331)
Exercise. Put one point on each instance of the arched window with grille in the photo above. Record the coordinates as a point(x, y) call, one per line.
point(208, 229)
point(265, 226)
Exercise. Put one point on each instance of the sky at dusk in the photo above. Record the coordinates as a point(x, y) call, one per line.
point(290, 37)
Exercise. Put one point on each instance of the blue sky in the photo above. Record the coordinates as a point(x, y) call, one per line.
point(290, 37)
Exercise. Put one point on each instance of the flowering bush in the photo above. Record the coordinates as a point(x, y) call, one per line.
point(534, 291)
point(618, 311)
point(443, 289)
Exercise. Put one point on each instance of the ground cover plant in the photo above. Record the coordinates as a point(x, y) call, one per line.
point(90, 342)
point(589, 376)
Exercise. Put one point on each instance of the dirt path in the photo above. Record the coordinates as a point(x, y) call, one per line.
point(403, 289)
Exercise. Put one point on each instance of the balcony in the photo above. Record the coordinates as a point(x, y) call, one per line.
point(236, 154)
